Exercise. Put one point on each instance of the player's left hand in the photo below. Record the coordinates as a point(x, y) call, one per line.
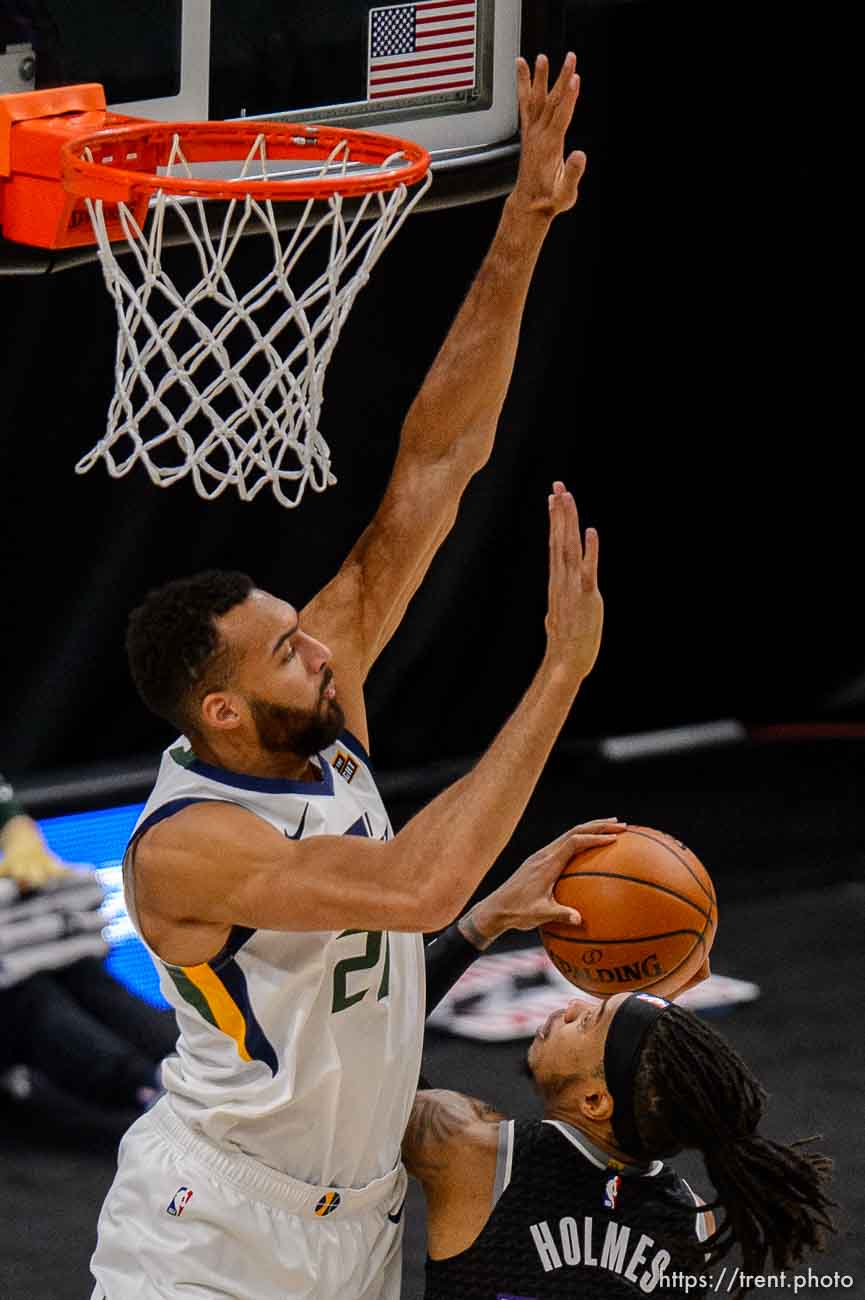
point(526, 900)
point(547, 182)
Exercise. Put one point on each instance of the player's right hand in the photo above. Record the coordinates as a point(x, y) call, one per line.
point(526, 900)
point(575, 607)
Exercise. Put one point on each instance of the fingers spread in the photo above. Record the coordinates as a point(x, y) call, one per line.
point(561, 99)
point(576, 162)
point(524, 86)
point(540, 81)
point(566, 73)
point(561, 104)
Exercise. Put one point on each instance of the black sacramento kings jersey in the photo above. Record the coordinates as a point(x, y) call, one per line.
point(568, 1226)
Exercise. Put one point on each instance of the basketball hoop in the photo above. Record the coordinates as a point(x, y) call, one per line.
point(214, 379)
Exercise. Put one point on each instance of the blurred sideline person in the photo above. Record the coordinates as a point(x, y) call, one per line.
point(65, 1019)
point(582, 1201)
point(284, 915)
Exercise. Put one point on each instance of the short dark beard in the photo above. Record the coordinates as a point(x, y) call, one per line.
point(302, 732)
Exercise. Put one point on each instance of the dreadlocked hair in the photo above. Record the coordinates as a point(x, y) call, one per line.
point(693, 1091)
point(174, 648)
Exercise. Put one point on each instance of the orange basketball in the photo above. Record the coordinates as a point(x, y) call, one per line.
point(649, 916)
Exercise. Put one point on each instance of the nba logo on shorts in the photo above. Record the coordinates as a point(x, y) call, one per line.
point(179, 1201)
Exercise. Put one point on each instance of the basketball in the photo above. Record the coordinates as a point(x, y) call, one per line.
point(649, 916)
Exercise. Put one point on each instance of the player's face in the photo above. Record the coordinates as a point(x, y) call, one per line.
point(570, 1044)
point(283, 676)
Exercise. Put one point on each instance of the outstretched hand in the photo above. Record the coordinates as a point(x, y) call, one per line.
point(526, 901)
point(547, 182)
point(575, 608)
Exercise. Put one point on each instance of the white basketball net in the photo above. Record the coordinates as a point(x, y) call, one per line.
point(223, 383)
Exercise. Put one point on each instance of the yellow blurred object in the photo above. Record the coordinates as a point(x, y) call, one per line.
point(26, 857)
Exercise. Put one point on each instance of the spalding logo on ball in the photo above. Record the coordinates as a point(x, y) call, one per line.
point(649, 916)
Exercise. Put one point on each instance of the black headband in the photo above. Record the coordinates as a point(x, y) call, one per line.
point(622, 1050)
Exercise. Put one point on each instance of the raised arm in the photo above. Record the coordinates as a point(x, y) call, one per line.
point(449, 430)
point(218, 865)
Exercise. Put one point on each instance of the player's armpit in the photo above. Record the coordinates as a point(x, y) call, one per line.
point(446, 1128)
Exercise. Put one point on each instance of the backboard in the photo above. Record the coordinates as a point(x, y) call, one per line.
point(439, 72)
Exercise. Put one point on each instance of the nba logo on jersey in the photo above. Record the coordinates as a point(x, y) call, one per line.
point(611, 1192)
point(179, 1201)
point(655, 1001)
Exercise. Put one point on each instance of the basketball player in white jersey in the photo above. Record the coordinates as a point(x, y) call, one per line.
point(283, 914)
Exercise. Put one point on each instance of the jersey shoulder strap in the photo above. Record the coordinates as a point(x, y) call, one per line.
point(504, 1160)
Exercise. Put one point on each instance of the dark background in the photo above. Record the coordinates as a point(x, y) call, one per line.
point(683, 367)
point(680, 368)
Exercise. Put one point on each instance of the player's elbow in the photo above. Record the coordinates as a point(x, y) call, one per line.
point(441, 904)
point(408, 902)
point(471, 450)
point(426, 912)
point(425, 908)
point(432, 885)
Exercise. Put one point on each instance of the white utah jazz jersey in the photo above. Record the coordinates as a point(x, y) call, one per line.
point(299, 1049)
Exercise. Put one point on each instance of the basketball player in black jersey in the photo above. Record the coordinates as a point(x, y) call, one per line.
point(581, 1202)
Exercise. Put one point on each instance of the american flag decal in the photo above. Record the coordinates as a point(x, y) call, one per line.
point(418, 48)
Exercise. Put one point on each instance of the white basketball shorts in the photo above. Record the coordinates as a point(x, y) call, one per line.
point(184, 1217)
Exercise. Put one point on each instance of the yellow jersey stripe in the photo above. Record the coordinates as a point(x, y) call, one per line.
point(226, 1013)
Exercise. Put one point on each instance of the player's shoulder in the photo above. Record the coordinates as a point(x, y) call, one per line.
point(447, 1130)
point(549, 1137)
point(186, 835)
point(446, 1114)
point(348, 756)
